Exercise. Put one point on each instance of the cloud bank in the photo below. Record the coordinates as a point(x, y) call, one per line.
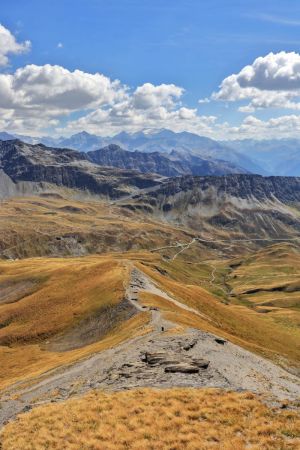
point(50, 98)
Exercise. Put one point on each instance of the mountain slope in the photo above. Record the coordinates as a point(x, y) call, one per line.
point(184, 144)
point(6, 136)
point(277, 156)
point(82, 141)
point(69, 168)
point(155, 162)
point(233, 206)
point(69, 325)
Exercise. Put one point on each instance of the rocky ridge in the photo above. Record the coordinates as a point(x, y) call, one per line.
point(68, 168)
point(173, 165)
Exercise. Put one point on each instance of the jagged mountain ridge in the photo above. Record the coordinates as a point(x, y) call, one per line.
point(165, 141)
point(155, 162)
point(64, 167)
point(237, 204)
point(285, 189)
point(38, 163)
point(279, 157)
point(183, 145)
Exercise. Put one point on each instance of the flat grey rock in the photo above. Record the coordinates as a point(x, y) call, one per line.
point(182, 368)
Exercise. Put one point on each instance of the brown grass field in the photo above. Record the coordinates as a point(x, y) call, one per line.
point(50, 296)
point(63, 292)
point(57, 226)
point(177, 419)
point(245, 326)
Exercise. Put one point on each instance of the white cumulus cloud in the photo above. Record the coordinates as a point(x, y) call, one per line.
point(9, 45)
point(150, 96)
point(286, 126)
point(148, 106)
point(272, 81)
point(35, 98)
point(50, 92)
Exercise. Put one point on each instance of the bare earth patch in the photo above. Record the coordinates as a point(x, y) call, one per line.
point(12, 291)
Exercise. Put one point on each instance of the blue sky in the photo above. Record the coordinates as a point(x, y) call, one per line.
point(192, 44)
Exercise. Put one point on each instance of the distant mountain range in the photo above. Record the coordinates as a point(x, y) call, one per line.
point(276, 156)
point(238, 204)
point(268, 204)
point(266, 157)
point(179, 145)
point(170, 165)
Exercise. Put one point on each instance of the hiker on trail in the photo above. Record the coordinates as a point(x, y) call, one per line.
point(162, 328)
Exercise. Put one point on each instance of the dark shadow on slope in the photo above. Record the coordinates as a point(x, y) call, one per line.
point(93, 328)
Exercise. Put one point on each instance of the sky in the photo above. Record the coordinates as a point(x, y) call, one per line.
point(227, 69)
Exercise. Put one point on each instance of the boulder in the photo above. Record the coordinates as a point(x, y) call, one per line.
point(200, 363)
point(182, 368)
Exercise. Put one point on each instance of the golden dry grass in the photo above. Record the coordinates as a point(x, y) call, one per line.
point(39, 226)
point(268, 282)
point(243, 326)
point(23, 363)
point(50, 296)
point(66, 291)
point(177, 419)
point(274, 267)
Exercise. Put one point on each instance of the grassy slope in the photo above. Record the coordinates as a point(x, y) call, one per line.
point(178, 419)
point(268, 282)
point(40, 226)
point(244, 326)
point(65, 291)
point(21, 363)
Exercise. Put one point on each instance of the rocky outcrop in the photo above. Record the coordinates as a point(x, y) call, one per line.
point(68, 168)
point(7, 186)
point(176, 362)
point(115, 156)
